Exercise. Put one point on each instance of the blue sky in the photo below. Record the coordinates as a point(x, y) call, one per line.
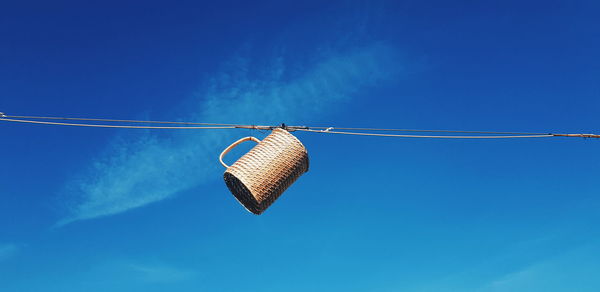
point(141, 210)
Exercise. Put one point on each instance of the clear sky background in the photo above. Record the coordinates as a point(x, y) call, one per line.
point(86, 209)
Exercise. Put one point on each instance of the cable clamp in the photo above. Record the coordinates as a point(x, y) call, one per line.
point(577, 135)
point(287, 128)
point(2, 115)
point(328, 129)
point(292, 128)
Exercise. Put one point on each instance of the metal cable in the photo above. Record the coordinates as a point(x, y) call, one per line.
point(490, 134)
point(428, 136)
point(430, 131)
point(112, 126)
point(115, 120)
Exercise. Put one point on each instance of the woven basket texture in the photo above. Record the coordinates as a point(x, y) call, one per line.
point(259, 177)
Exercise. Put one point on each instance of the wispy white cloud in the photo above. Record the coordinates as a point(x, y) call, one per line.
point(574, 270)
point(133, 173)
point(160, 273)
point(132, 273)
point(8, 250)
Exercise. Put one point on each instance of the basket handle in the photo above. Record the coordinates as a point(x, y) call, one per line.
point(238, 142)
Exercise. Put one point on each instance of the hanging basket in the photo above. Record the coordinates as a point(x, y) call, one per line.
point(259, 177)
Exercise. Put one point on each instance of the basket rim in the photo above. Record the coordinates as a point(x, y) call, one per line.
point(295, 138)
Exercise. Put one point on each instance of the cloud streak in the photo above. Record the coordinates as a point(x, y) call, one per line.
point(137, 171)
point(574, 270)
point(160, 273)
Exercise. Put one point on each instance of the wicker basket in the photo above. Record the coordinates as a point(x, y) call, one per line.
point(259, 177)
